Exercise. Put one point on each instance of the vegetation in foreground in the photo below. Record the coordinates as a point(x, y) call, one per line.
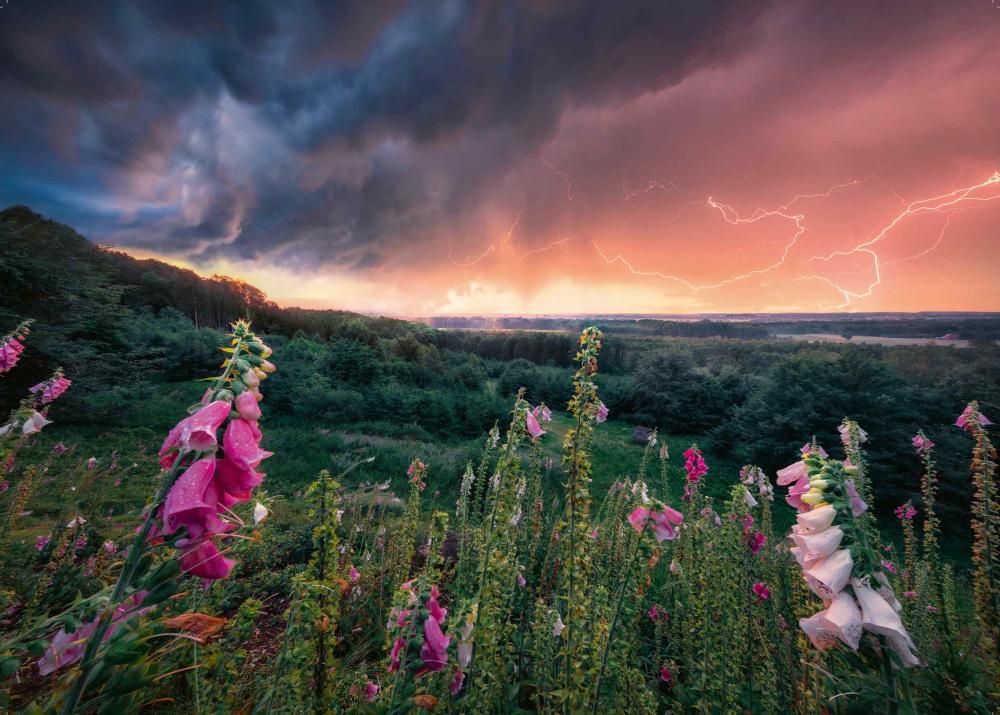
point(509, 601)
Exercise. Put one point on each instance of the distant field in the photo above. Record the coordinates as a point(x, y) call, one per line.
point(871, 340)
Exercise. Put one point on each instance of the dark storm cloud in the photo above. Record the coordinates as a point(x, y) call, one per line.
point(219, 127)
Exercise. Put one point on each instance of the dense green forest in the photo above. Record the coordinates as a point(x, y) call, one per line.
point(134, 334)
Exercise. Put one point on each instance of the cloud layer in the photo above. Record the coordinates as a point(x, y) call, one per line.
point(521, 156)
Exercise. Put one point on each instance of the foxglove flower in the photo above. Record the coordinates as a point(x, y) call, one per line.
point(602, 412)
point(531, 424)
point(922, 444)
point(965, 419)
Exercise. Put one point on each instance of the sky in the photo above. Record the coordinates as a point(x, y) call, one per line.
point(523, 157)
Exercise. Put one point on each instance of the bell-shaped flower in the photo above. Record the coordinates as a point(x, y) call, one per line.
point(204, 560)
point(827, 577)
point(434, 651)
point(840, 621)
point(792, 473)
point(810, 548)
point(247, 407)
point(664, 522)
point(922, 444)
point(531, 424)
point(236, 479)
point(965, 419)
point(394, 655)
point(34, 423)
point(240, 443)
point(815, 520)
point(193, 501)
point(858, 505)
point(457, 682)
point(638, 518)
point(437, 612)
point(602, 412)
point(795, 495)
point(196, 432)
point(878, 616)
point(558, 626)
point(260, 513)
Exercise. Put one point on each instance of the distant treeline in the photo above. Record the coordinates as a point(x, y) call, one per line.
point(976, 328)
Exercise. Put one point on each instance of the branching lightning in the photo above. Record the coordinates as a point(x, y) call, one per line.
point(964, 197)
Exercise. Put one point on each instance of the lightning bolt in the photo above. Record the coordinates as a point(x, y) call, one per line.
point(943, 203)
point(564, 175)
point(651, 186)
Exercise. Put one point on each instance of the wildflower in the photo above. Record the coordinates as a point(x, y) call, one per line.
point(247, 407)
point(922, 444)
point(889, 566)
point(196, 432)
point(531, 424)
point(761, 591)
point(932, 609)
point(656, 613)
point(909, 594)
point(602, 412)
point(748, 499)
point(457, 682)
point(76, 521)
point(58, 449)
point(416, 472)
point(10, 353)
point(67, 648)
point(694, 465)
point(665, 675)
point(542, 413)
point(963, 420)
point(662, 522)
point(51, 389)
point(397, 648)
point(41, 542)
point(906, 512)
point(371, 691)
point(558, 626)
point(756, 541)
point(4, 485)
point(880, 617)
point(110, 548)
point(92, 463)
point(34, 424)
point(810, 448)
point(845, 435)
point(80, 543)
point(664, 452)
point(841, 620)
point(260, 513)
point(858, 505)
point(434, 652)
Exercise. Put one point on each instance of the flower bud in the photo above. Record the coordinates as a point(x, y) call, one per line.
point(267, 366)
point(851, 471)
point(817, 483)
point(813, 497)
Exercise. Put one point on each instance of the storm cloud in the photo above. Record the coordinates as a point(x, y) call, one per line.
point(371, 136)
